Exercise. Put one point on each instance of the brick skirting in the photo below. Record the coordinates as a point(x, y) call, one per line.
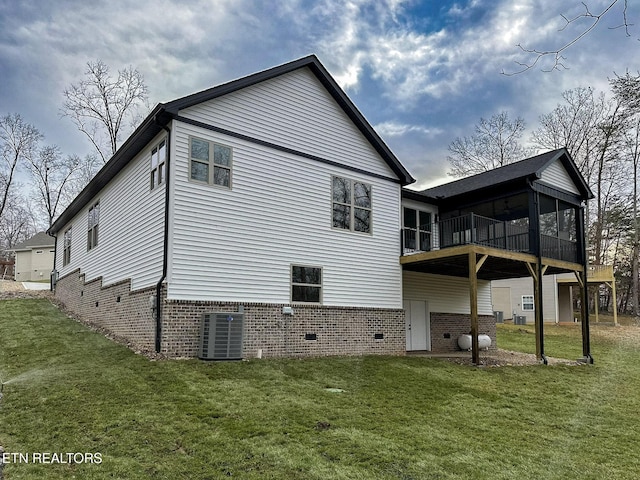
point(114, 308)
point(447, 327)
point(337, 330)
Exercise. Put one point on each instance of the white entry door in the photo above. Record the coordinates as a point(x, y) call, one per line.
point(418, 325)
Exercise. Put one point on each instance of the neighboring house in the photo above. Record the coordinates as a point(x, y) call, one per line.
point(34, 258)
point(261, 218)
point(514, 297)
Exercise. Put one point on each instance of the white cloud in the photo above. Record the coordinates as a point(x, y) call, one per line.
point(393, 129)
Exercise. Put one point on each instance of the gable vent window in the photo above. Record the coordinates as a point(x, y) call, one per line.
point(351, 205)
point(158, 162)
point(210, 162)
point(306, 284)
point(92, 229)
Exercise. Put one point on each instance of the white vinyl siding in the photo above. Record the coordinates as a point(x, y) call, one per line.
point(131, 230)
point(556, 176)
point(239, 244)
point(446, 294)
point(294, 111)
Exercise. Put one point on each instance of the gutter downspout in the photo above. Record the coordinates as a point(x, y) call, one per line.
point(165, 252)
point(53, 276)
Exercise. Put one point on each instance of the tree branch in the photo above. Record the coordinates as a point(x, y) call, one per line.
point(557, 54)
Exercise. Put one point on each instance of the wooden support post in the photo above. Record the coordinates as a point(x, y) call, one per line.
point(538, 311)
point(473, 302)
point(612, 286)
point(615, 302)
point(584, 301)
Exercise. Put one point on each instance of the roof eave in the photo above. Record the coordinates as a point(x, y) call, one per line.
point(150, 127)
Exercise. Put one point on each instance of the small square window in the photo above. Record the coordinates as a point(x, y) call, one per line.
point(306, 284)
point(210, 162)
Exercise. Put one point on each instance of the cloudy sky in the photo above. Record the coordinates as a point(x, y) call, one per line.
point(422, 72)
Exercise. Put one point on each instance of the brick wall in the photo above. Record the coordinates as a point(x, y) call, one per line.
point(130, 316)
point(338, 330)
point(447, 327)
point(114, 308)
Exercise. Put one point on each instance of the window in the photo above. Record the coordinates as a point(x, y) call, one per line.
point(210, 162)
point(158, 162)
point(351, 205)
point(527, 303)
point(417, 230)
point(66, 247)
point(306, 284)
point(92, 228)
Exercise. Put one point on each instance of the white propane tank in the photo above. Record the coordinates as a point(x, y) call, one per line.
point(464, 342)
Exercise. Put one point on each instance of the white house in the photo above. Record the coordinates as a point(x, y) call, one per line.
point(34, 258)
point(262, 217)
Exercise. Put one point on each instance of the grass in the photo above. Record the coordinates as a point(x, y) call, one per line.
point(72, 390)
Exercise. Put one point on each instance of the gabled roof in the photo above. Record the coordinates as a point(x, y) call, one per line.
point(163, 113)
point(39, 240)
point(527, 169)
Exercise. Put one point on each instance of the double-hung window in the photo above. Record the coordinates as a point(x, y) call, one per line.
point(66, 248)
point(306, 284)
point(158, 164)
point(351, 205)
point(210, 162)
point(527, 303)
point(92, 228)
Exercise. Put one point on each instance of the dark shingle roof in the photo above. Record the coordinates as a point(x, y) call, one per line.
point(164, 112)
point(530, 168)
point(40, 239)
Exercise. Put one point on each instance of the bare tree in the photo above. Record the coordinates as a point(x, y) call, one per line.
point(573, 125)
point(18, 142)
point(557, 55)
point(86, 169)
point(496, 142)
point(627, 89)
point(17, 223)
point(51, 174)
point(100, 105)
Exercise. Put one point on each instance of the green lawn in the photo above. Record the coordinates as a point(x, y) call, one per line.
point(72, 390)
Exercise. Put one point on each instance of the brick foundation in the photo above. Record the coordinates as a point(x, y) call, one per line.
point(338, 330)
point(115, 308)
point(130, 315)
point(447, 327)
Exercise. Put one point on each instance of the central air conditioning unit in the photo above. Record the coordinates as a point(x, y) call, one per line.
point(221, 336)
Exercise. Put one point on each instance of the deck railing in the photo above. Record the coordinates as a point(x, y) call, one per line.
point(479, 230)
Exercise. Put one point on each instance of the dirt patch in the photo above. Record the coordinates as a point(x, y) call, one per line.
point(506, 358)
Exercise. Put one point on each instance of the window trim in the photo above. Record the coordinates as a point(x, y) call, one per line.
point(66, 247)
point(532, 303)
point(352, 206)
point(211, 163)
point(92, 229)
point(320, 286)
point(160, 167)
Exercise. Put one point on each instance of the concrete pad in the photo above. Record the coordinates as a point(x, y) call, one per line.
point(36, 286)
